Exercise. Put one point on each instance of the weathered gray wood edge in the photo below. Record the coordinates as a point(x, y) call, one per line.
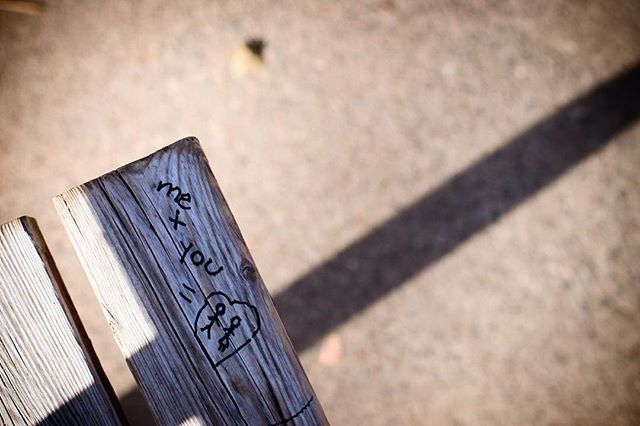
point(49, 371)
point(119, 226)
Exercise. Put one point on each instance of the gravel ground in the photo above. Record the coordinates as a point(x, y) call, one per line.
point(444, 210)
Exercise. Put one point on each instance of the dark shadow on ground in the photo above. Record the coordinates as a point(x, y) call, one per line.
point(439, 222)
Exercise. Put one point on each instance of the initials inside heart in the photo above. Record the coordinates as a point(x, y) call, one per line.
point(224, 326)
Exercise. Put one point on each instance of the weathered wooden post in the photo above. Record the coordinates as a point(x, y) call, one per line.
point(49, 373)
point(183, 296)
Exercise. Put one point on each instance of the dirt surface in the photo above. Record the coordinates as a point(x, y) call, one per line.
point(445, 211)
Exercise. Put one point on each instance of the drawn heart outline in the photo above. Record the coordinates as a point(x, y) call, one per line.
point(230, 302)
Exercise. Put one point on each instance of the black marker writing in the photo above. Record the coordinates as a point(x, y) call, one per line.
point(223, 342)
point(224, 326)
point(210, 318)
point(181, 198)
point(176, 221)
point(198, 259)
point(190, 290)
point(220, 309)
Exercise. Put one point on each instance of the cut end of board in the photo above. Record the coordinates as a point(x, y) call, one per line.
point(189, 144)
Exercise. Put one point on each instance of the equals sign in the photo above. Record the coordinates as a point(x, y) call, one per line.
point(189, 289)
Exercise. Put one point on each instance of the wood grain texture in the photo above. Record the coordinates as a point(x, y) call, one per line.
point(186, 303)
point(49, 373)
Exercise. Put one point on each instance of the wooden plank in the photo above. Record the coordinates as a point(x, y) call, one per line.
point(188, 307)
point(49, 373)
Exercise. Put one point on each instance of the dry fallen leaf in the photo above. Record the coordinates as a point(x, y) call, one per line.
point(247, 58)
point(26, 7)
point(331, 350)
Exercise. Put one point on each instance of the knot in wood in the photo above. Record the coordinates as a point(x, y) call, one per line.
point(248, 271)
